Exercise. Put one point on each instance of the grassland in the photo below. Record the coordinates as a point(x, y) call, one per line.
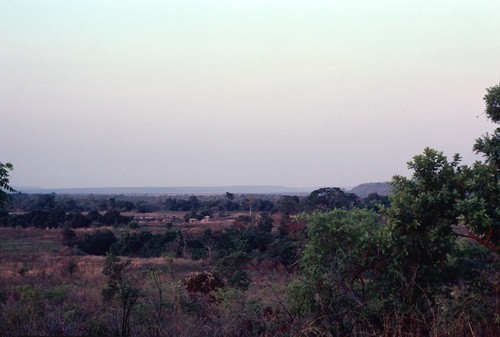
point(48, 288)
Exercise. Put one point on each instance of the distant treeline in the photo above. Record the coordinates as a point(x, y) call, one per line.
point(76, 211)
point(56, 218)
point(322, 198)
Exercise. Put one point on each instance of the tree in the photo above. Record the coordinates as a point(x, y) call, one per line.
point(328, 198)
point(68, 237)
point(288, 205)
point(46, 202)
point(439, 202)
point(376, 202)
point(422, 215)
point(97, 243)
point(340, 264)
point(120, 289)
point(77, 220)
point(95, 216)
point(231, 268)
point(4, 182)
point(481, 207)
point(443, 194)
point(358, 267)
point(492, 99)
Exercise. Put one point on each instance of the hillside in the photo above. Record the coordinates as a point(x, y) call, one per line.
point(363, 190)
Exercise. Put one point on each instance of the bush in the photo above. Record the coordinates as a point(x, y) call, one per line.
point(231, 268)
point(203, 283)
point(143, 244)
point(97, 243)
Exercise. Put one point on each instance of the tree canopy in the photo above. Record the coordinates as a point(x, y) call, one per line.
point(358, 266)
point(328, 198)
point(492, 99)
point(4, 182)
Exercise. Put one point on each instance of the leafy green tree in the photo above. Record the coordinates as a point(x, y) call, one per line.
point(443, 194)
point(285, 250)
point(440, 201)
point(492, 99)
point(481, 207)
point(360, 268)
point(422, 216)
point(4, 182)
point(328, 198)
point(339, 262)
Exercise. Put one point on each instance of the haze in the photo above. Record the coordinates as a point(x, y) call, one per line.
point(293, 93)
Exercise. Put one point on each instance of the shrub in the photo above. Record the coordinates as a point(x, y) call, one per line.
point(97, 243)
point(203, 283)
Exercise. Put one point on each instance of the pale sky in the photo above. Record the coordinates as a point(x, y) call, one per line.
point(294, 93)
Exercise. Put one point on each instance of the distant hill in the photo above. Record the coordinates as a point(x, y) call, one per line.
point(363, 190)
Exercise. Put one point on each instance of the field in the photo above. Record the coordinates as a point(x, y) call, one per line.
point(58, 290)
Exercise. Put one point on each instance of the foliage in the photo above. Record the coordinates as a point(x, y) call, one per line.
point(328, 198)
point(145, 244)
point(265, 223)
point(288, 205)
point(120, 289)
point(113, 217)
point(376, 202)
point(203, 283)
point(4, 182)
point(356, 268)
point(46, 212)
point(68, 237)
point(97, 243)
point(481, 208)
point(26, 316)
point(492, 99)
point(231, 268)
point(77, 220)
point(422, 214)
point(339, 263)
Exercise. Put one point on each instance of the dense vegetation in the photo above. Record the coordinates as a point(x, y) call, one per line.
point(423, 263)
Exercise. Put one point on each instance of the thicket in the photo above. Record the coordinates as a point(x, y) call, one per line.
point(428, 265)
point(57, 218)
point(255, 242)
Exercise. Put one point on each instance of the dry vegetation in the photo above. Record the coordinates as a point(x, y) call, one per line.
point(51, 289)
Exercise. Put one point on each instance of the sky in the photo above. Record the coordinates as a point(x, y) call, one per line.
point(219, 93)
